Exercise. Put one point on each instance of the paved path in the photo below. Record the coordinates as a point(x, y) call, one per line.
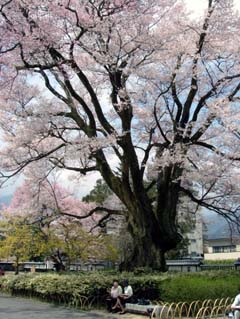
point(20, 308)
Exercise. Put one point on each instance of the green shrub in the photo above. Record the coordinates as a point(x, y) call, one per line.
point(69, 288)
point(199, 287)
point(220, 262)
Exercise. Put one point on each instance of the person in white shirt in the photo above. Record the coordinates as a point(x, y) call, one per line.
point(236, 307)
point(115, 292)
point(125, 297)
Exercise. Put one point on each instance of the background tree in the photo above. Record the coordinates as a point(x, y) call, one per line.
point(67, 242)
point(20, 241)
point(56, 214)
point(64, 241)
point(99, 193)
point(43, 201)
point(129, 86)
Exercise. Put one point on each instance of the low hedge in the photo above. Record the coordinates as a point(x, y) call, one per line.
point(207, 285)
point(220, 262)
point(68, 288)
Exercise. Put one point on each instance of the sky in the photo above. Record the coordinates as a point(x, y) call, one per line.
point(87, 183)
point(198, 6)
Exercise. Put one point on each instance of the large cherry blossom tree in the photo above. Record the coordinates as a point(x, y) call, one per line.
point(134, 90)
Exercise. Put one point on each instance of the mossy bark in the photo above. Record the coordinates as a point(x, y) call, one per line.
point(154, 228)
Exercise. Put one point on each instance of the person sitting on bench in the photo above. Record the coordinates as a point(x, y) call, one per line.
point(124, 298)
point(115, 292)
point(236, 306)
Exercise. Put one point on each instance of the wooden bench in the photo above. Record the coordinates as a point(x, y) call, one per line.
point(147, 310)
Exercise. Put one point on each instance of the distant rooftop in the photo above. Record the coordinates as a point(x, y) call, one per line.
point(183, 262)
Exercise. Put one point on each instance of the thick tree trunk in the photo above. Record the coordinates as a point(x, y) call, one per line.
point(58, 263)
point(167, 204)
point(154, 232)
point(17, 267)
point(145, 253)
point(152, 237)
point(149, 245)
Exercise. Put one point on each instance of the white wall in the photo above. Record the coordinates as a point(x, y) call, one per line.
point(196, 237)
point(222, 256)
